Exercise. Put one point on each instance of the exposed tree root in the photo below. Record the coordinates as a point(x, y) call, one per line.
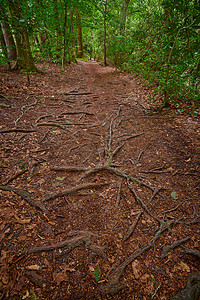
point(16, 175)
point(17, 130)
point(75, 189)
point(132, 227)
point(26, 196)
point(114, 286)
point(167, 249)
point(190, 251)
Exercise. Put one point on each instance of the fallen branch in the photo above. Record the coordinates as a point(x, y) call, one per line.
point(75, 190)
point(132, 227)
point(26, 196)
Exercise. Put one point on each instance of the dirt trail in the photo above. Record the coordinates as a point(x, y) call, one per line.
point(99, 192)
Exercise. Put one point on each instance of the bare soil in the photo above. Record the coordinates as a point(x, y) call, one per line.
point(99, 192)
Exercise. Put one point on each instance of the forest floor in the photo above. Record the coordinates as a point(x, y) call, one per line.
point(99, 192)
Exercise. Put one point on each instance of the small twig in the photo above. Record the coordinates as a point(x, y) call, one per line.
point(132, 227)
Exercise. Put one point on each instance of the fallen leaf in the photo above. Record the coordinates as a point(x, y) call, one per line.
point(59, 277)
point(182, 267)
point(3, 255)
point(33, 267)
point(135, 268)
point(22, 221)
point(52, 223)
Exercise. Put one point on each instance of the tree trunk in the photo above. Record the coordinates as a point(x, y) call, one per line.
point(79, 34)
point(9, 41)
point(123, 15)
point(105, 33)
point(24, 56)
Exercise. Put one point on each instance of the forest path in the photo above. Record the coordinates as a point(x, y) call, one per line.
point(99, 191)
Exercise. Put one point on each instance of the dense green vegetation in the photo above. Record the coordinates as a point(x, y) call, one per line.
point(159, 39)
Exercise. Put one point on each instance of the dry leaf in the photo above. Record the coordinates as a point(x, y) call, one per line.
point(22, 221)
point(3, 255)
point(59, 277)
point(5, 278)
point(182, 267)
point(135, 268)
point(33, 267)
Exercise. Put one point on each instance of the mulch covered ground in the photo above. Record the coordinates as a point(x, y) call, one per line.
point(99, 192)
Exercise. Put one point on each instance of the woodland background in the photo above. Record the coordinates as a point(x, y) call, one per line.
point(158, 39)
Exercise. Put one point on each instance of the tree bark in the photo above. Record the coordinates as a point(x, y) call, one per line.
point(123, 15)
point(105, 33)
point(8, 38)
point(24, 56)
point(79, 34)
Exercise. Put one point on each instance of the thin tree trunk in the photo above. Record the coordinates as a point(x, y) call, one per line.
point(79, 34)
point(105, 33)
point(123, 15)
point(8, 38)
point(24, 56)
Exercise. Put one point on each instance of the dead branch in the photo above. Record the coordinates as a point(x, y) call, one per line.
point(74, 190)
point(132, 227)
point(167, 249)
point(26, 196)
point(17, 130)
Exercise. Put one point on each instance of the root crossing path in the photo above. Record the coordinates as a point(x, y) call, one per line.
point(99, 191)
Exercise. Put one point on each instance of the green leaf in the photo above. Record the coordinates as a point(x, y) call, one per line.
point(68, 122)
point(97, 273)
point(54, 131)
point(174, 195)
point(60, 178)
